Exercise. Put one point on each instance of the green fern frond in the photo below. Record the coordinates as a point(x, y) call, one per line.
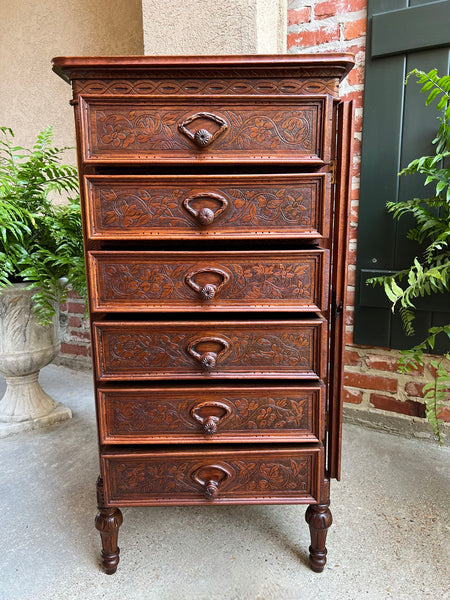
point(39, 242)
point(429, 274)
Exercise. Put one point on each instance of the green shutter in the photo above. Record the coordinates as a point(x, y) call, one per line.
point(397, 128)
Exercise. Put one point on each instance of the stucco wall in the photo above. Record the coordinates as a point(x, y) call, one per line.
point(212, 27)
point(32, 32)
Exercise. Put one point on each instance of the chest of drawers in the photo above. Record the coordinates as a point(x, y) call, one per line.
point(215, 200)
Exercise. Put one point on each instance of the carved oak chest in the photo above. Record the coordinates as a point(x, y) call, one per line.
point(215, 198)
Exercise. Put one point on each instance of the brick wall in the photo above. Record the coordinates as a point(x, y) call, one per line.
point(75, 334)
point(372, 382)
point(371, 378)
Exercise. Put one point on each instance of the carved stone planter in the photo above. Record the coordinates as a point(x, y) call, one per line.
point(26, 347)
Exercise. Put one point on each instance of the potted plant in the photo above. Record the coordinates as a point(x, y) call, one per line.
point(40, 252)
point(429, 272)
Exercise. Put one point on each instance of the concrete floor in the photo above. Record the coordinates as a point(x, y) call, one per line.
point(390, 537)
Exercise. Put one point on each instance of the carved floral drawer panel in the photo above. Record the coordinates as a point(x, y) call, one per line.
point(201, 281)
point(211, 414)
point(180, 476)
point(218, 129)
point(206, 207)
point(193, 350)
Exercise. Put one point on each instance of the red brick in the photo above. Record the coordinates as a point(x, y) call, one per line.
point(408, 407)
point(77, 308)
point(354, 194)
point(81, 335)
point(350, 296)
point(354, 211)
point(355, 5)
point(370, 382)
point(444, 414)
point(337, 7)
point(326, 9)
point(73, 349)
point(356, 76)
point(74, 322)
point(432, 370)
point(73, 294)
point(352, 358)
point(419, 371)
point(357, 96)
point(413, 388)
point(355, 29)
point(348, 338)
point(357, 48)
point(306, 39)
point(352, 396)
point(351, 255)
point(302, 15)
point(291, 40)
point(382, 363)
point(356, 146)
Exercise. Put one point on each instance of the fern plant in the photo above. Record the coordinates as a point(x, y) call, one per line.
point(40, 242)
point(430, 272)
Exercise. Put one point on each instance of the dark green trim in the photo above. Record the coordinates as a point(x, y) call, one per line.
point(397, 128)
point(410, 29)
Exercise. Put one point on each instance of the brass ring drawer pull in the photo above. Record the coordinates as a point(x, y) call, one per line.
point(202, 137)
point(205, 215)
point(209, 357)
point(207, 291)
point(210, 415)
point(210, 477)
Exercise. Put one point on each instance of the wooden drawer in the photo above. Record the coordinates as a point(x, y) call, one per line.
point(211, 414)
point(272, 475)
point(202, 281)
point(226, 129)
point(206, 207)
point(192, 350)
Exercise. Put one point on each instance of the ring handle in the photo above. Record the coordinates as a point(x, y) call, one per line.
point(210, 415)
point(210, 477)
point(208, 358)
point(202, 137)
point(209, 290)
point(205, 215)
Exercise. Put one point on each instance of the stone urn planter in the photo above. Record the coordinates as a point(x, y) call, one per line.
point(26, 347)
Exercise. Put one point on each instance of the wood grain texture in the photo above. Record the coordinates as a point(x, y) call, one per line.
point(312, 86)
point(338, 283)
point(242, 414)
point(158, 350)
point(282, 474)
point(201, 281)
point(328, 68)
point(285, 129)
point(217, 408)
point(138, 207)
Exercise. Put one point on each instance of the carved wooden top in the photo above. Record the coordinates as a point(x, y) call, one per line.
point(110, 67)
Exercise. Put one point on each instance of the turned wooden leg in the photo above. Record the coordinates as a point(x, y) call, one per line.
point(318, 517)
point(108, 521)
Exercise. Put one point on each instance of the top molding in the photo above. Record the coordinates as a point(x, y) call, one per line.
point(110, 67)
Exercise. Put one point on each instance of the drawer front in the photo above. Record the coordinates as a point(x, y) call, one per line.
point(201, 281)
point(187, 207)
point(156, 350)
point(199, 130)
point(212, 414)
point(272, 475)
